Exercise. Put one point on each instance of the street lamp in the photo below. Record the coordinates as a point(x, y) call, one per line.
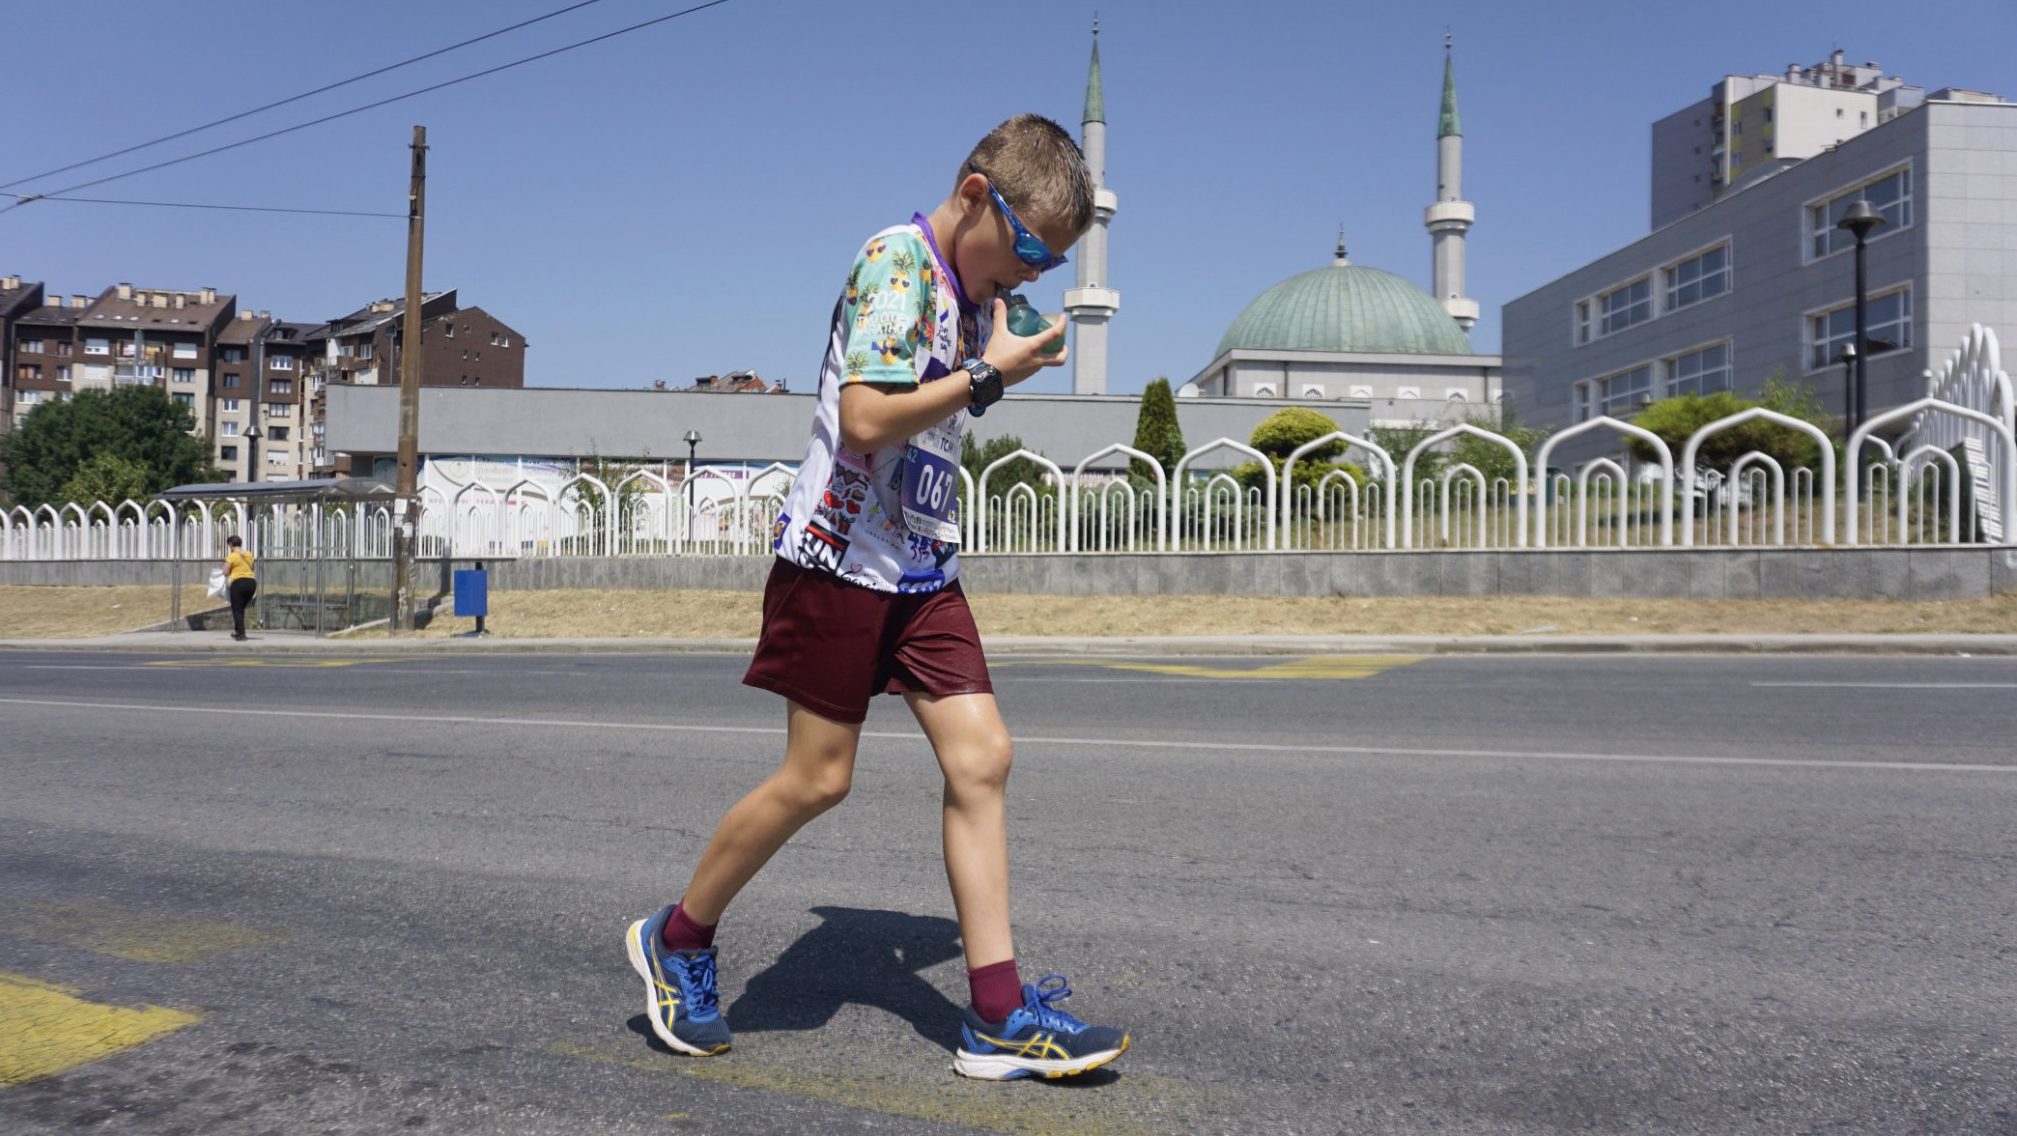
point(252, 436)
point(1860, 220)
point(692, 443)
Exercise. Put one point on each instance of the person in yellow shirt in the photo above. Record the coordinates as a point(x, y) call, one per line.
point(240, 584)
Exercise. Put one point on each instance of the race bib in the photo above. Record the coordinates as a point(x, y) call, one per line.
point(931, 482)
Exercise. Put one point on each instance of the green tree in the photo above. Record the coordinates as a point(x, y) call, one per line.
point(1675, 420)
point(975, 457)
point(1156, 431)
point(1490, 458)
point(106, 477)
point(1280, 433)
point(1398, 440)
point(138, 424)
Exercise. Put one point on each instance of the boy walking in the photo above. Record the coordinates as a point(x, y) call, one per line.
point(864, 596)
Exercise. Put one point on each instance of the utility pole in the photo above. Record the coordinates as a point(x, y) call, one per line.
point(405, 507)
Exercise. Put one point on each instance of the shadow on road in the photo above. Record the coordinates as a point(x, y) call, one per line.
point(870, 958)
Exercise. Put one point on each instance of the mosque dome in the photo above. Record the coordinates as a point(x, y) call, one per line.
point(1343, 307)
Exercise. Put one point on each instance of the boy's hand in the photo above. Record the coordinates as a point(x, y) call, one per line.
point(1018, 357)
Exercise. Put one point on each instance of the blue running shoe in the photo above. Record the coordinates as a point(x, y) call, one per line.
point(679, 991)
point(1038, 1039)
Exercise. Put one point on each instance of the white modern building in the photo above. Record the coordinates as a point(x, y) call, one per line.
point(1759, 282)
point(1752, 125)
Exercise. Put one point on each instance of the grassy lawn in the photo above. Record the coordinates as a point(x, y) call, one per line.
point(56, 612)
point(737, 614)
point(71, 613)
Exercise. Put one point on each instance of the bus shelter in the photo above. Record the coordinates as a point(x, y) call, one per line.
point(308, 539)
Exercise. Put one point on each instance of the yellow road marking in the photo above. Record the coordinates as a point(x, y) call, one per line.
point(47, 1029)
point(141, 936)
point(917, 1081)
point(278, 663)
point(1317, 667)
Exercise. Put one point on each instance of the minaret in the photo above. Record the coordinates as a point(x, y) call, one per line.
point(1091, 305)
point(1450, 218)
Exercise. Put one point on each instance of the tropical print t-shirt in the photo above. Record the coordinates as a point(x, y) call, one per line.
point(885, 520)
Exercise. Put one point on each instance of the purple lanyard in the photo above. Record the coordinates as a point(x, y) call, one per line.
point(967, 309)
point(959, 293)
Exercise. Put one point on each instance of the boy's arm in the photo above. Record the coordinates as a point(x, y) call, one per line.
point(874, 415)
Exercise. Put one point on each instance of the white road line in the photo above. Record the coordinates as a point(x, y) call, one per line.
point(1900, 685)
point(1027, 740)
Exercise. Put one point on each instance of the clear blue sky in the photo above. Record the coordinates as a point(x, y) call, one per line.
point(685, 200)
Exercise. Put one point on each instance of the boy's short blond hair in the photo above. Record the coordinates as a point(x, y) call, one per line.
point(1036, 166)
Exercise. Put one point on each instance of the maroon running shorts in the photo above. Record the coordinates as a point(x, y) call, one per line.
point(831, 646)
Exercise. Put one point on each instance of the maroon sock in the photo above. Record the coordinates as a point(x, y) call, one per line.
point(681, 933)
point(997, 990)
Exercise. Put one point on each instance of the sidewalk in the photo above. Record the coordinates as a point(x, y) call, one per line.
point(296, 642)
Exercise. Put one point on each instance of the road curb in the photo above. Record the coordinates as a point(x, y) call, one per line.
point(1997, 645)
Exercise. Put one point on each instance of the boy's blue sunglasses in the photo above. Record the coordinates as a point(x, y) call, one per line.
point(1029, 248)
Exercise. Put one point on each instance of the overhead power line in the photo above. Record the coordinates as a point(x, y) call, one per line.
point(52, 194)
point(297, 98)
point(25, 198)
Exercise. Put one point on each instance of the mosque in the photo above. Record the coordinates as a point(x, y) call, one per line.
point(1343, 332)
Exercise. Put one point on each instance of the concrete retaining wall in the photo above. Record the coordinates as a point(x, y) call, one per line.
point(1933, 573)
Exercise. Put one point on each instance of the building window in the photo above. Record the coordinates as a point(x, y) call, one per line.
point(183, 375)
point(1582, 322)
point(227, 453)
point(448, 329)
point(280, 362)
point(1890, 195)
point(62, 372)
point(1889, 316)
point(278, 457)
point(98, 347)
point(282, 386)
point(185, 351)
point(234, 354)
point(27, 397)
point(123, 348)
point(28, 371)
point(228, 405)
point(504, 341)
point(278, 433)
point(1698, 278)
point(62, 349)
point(1623, 393)
point(1311, 390)
point(230, 382)
point(364, 350)
point(31, 347)
point(184, 400)
point(228, 429)
point(493, 339)
point(1699, 372)
point(1581, 396)
point(1627, 305)
point(279, 410)
point(1264, 390)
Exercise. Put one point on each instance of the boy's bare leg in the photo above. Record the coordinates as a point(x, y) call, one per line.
point(818, 768)
point(974, 752)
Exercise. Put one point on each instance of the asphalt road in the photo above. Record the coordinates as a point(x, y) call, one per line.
point(1487, 895)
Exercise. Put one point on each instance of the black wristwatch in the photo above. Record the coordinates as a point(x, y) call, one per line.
point(984, 385)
